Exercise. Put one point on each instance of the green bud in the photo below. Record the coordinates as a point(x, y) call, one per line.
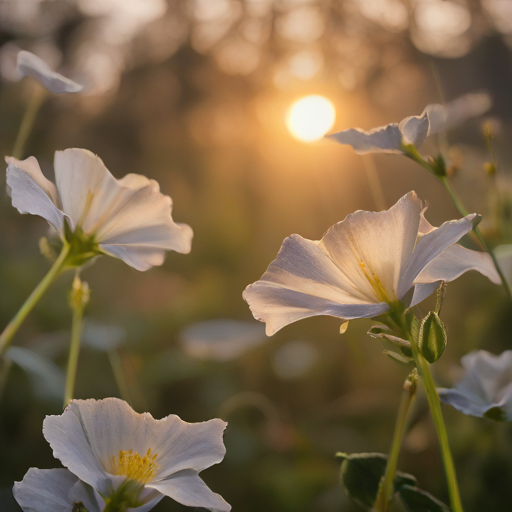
point(489, 168)
point(80, 294)
point(432, 340)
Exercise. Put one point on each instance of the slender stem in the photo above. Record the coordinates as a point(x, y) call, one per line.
point(386, 488)
point(117, 367)
point(78, 299)
point(74, 351)
point(413, 153)
point(437, 415)
point(33, 106)
point(15, 323)
point(374, 181)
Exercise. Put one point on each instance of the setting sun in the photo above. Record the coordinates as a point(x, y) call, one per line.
point(310, 118)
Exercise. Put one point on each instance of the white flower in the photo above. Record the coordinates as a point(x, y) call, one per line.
point(221, 339)
point(485, 389)
point(31, 65)
point(128, 218)
point(55, 490)
point(363, 265)
point(415, 129)
point(106, 444)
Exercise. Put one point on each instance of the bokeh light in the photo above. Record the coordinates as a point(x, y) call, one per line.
point(310, 118)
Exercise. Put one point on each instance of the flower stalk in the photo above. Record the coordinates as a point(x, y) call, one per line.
point(79, 297)
point(57, 268)
point(386, 488)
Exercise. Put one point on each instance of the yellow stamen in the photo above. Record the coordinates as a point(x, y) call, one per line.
point(135, 467)
point(375, 282)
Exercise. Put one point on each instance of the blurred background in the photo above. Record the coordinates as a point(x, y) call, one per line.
point(197, 95)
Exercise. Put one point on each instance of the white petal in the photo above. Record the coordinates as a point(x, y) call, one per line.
point(487, 383)
point(89, 433)
point(455, 261)
point(31, 192)
point(45, 490)
point(69, 440)
point(381, 242)
point(278, 306)
point(422, 291)
point(85, 494)
point(432, 245)
point(187, 488)
point(130, 217)
point(384, 139)
point(415, 129)
point(31, 65)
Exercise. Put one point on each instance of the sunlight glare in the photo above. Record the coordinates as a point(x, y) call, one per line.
point(310, 118)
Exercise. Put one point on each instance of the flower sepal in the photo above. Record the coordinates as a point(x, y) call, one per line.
point(126, 496)
point(395, 347)
point(438, 165)
point(82, 247)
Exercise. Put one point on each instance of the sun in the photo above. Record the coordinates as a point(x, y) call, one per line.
point(310, 118)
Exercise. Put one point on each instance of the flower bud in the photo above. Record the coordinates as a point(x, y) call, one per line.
point(432, 339)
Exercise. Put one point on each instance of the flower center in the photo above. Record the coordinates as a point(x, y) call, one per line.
point(135, 466)
point(375, 282)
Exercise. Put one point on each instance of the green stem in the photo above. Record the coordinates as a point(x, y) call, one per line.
point(386, 490)
point(413, 153)
point(117, 367)
point(15, 323)
point(33, 106)
point(74, 351)
point(437, 415)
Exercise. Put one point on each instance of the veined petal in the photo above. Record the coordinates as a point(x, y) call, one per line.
point(455, 261)
point(373, 248)
point(31, 65)
point(51, 490)
point(485, 385)
point(278, 306)
point(130, 218)
point(31, 192)
point(89, 497)
point(187, 488)
point(422, 291)
point(384, 139)
point(415, 129)
point(432, 245)
point(89, 435)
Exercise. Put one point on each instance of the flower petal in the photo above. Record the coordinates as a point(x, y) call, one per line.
point(369, 244)
point(31, 65)
point(422, 291)
point(486, 384)
point(432, 245)
point(415, 129)
point(45, 490)
point(31, 192)
point(187, 488)
point(455, 261)
point(90, 433)
point(384, 139)
point(130, 218)
point(89, 497)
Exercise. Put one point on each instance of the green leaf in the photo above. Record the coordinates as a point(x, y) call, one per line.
point(432, 339)
point(361, 474)
point(416, 500)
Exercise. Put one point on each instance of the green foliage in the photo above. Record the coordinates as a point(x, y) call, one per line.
point(432, 339)
point(361, 474)
point(416, 500)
